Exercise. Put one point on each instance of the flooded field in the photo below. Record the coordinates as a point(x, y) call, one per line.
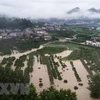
point(40, 74)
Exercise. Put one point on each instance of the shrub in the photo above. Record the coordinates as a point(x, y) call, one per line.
point(80, 84)
point(65, 81)
point(40, 84)
point(75, 88)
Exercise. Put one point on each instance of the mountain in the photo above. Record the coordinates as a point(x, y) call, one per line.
point(94, 10)
point(74, 10)
point(77, 10)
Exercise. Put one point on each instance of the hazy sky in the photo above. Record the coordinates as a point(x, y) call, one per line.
point(44, 8)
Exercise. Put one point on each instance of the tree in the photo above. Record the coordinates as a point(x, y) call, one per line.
point(53, 94)
point(94, 86)
point(48, 94)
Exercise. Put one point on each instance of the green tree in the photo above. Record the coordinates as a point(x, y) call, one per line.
point(94, 86)
point(53, 94)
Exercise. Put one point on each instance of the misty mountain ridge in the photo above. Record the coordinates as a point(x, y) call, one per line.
point(78, 10)
point(74, 10)
point(76, 13)
point(94, 10)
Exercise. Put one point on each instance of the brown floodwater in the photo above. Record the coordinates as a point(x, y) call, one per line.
point(40, 71)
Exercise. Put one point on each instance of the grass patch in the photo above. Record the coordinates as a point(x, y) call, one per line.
point(51, 50)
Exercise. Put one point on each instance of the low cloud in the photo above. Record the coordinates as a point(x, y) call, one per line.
point(46, 8)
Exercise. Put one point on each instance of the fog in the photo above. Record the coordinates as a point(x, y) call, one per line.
point(35, 9)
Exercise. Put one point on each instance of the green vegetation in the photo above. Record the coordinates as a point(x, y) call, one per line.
point(76, 46)
point(20, 62)
point(66, 33)
point(94, 85)
point(25, 45)
point(82, 55)
point(6, 47)
point(53, 94)
point(52, 67)
point(48, 94)
point(69, 45)
point(85, 53)
point(75, 88)
point(51, 50)
point(7, 60)
point(65, 81)
point(27, 75)
point(14, 24)
point(45, 60)
point(21, 44)
point(75, 72)
point(30, 62)
point(85, 31)
point(40, 85)
point(51, 59)
point(7, 75)
point(80, 29)
point(55, 66)
point(73, 56)
point(86, 67)
point(62, 64)
point(4, 61)
point(80, 84)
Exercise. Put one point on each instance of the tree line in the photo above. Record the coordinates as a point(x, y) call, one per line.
point(15, 23)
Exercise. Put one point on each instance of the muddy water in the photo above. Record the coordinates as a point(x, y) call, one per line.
point(39, 71)
point(66, 75)
point(83, 92)
point(17, 55)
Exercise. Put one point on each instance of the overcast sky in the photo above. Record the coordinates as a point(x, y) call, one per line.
point(43, 8)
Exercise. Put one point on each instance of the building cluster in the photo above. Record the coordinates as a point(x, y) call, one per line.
point(52, 27)
point(8, 33)
point(94, 28)
point(95, 41)
point(28, 32)
point(37, 31)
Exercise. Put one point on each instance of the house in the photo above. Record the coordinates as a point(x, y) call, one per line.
point(3, 34)
point(68, 39)
point(8, 30)
point(17, 30)
point(41, 33)
point(47, 37)
point(28, 31)
point(96, 37)
point(13, 34)
point(0, 37)
point(4, 37)
point(2, 30)
point(91, 28)
point(98, 28)
point(92, 43)
point(62, 40)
